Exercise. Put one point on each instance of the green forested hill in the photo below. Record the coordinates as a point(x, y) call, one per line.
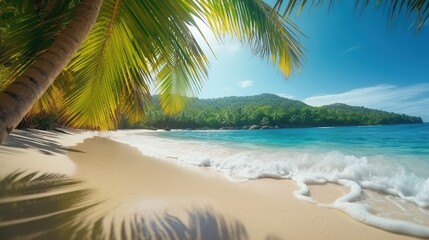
point(268, 110)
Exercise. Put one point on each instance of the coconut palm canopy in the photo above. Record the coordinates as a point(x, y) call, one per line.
point(135, 45)
point(138, 45)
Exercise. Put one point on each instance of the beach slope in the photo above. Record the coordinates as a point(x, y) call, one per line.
point(127, 182)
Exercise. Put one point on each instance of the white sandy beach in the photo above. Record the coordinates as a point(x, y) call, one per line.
point(130, 182)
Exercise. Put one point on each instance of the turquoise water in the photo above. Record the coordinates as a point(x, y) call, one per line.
point(386, 167)
point(406, 144)
point(412, 139)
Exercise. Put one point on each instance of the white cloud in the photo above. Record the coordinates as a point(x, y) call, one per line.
point(245, 84)
point(412, 99)
point(285, 95)
point(352, 48)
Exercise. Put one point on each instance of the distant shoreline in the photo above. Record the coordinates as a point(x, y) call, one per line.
point(264, 110)
point(260, 127)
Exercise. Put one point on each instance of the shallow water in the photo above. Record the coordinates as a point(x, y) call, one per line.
point(386, 167)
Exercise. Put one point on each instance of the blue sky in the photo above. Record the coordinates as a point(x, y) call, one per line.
point(351, 56)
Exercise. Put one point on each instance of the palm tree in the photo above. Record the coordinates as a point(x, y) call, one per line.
point(132, 46)
point(98, 75)
point(19, 97)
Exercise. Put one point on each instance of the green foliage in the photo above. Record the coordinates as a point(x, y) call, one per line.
point(41, 120)
point(28, 28)
point(269, 109)
point(133, 46)
point(138, 44)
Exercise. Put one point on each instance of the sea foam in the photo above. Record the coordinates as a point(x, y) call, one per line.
point(305, 166)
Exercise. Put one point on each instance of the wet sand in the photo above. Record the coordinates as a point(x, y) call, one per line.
point(130, 182)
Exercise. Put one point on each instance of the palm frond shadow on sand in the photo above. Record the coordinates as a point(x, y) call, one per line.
point(53, 206)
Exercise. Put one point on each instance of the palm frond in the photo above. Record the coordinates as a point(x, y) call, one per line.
point(130, 43)
point(176, 81)
point(270, 35)
point(418, 10)
point(22, 43)
point(137, 45)
point(93, 97)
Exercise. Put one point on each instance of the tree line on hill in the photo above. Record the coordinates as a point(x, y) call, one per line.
point(265, 110)
point(260, 111)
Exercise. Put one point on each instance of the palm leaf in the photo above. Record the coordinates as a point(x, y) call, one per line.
point(118, 61)
point(21, 44)
point(137, 45)
point(416, 9)
point(269, 35)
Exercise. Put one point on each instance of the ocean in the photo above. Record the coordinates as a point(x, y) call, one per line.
point(386, 167)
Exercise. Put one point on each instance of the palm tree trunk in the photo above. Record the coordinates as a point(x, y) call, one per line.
point(20, 96)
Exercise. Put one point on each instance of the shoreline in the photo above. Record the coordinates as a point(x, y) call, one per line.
point(130, 182)
point(269, 127)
